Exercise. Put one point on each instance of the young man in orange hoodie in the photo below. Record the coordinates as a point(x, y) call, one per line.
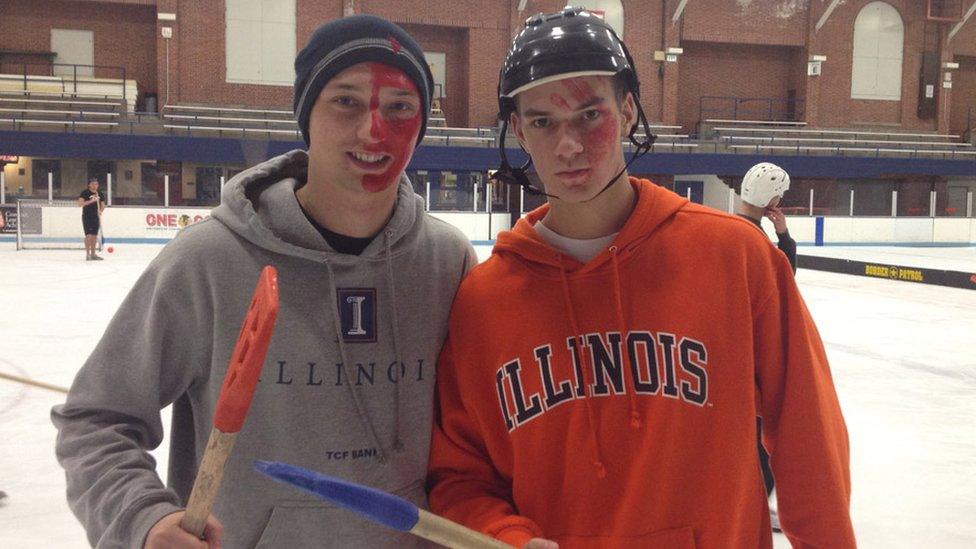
point(604, 368)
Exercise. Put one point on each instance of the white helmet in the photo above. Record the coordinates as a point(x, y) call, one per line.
point(763, 182)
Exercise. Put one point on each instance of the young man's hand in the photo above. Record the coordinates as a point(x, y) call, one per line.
point(167, 534)
point(776, 216)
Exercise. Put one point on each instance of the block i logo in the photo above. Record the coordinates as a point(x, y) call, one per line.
point(357, 311)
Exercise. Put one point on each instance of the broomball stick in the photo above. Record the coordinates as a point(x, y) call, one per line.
point(235, 399)
point(378, 506)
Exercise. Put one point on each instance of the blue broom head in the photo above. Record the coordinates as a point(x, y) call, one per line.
point(378, 506)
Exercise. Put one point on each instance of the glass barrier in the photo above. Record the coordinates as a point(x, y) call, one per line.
point(162, 183)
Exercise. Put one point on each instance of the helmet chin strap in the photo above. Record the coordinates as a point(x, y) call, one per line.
point(513, 175)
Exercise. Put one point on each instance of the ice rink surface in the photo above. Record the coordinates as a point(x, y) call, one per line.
point(903, 356)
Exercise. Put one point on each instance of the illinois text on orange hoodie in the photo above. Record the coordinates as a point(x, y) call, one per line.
point(613, 404)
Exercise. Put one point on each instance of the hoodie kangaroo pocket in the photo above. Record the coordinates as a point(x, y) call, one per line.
point(675, 538)
point(300, 524)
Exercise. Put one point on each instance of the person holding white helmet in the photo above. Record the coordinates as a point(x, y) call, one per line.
point(762, 189)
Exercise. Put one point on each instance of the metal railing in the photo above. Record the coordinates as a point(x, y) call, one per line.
point(872, 151)
point(472, 191)
point(27, 70)
point(750, 108)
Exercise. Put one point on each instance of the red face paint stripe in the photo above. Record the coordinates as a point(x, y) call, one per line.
point(580, 90)
point(395, 136)
point(559, 101)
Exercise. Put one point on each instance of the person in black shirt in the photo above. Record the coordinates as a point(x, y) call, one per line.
point(92, 204)
point(762, 188)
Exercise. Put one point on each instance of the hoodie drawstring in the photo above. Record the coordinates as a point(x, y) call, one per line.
point(397, 442)
point(601, 470)
point(635, 419)
point(356, 397)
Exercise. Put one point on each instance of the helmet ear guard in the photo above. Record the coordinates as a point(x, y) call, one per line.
point(507, 173)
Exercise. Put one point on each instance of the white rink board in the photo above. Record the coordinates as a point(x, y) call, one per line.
point(124, 224)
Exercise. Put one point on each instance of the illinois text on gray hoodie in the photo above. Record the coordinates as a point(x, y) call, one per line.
point(346, 387)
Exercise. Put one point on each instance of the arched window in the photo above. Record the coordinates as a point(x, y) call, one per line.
point(879, 38)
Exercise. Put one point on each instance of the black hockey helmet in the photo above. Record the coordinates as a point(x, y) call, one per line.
point(568, 43)
point(572, 42)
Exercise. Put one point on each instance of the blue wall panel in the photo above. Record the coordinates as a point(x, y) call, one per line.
point(121, 146)
point(212, 150)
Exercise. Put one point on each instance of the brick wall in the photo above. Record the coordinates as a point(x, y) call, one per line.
point(964, 42)
point(767, 22)
point(708, 69)
point(486, 54)
point(168, 55)
point(123, 33)
point(447, 13)
point(473, 33)
point(643, 35)
point(200, 66)
point(963, 94)
point(865, 113)
point(726, 42)
point(453, 42)
point(835, 40)
point(133, 2)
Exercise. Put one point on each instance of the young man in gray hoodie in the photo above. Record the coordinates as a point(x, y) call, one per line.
point(366, 281)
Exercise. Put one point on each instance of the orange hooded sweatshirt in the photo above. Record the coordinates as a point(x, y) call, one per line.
point(613, 404)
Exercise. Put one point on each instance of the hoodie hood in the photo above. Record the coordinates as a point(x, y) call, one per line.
point(260, 205)
point(655, 206)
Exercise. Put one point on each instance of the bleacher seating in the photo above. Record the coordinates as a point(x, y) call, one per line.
point(755, 129)
point(28, 110)
point(80, 112)
point(765, 137)
point(65, 87)
point(9, 100)
point(860, 151)
point(436, 119)
point(750, 123)
point(230, 120)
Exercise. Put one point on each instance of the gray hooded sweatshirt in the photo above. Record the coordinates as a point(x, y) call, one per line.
point(346, 387)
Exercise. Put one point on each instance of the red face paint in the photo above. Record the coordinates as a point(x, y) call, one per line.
point(395, 136)
point(579, 89)
point(559, 101)
point(598, 142)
